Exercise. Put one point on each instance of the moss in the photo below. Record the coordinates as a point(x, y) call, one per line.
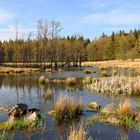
point(6, 126)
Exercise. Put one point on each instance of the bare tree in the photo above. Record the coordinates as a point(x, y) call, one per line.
point(43, 32)
point(55, 28)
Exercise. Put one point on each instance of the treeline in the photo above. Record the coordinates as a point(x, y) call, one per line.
point(119, 45)
point(50, 50)
point(47, 50)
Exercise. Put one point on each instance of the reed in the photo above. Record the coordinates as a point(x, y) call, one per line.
point(77, 133)
point(87, 80)
point(116, 85)
point(104, 73)
point(48, 94)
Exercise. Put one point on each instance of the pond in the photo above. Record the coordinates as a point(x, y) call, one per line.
point(26, 89)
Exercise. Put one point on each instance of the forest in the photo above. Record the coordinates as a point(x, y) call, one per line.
point(49, 47)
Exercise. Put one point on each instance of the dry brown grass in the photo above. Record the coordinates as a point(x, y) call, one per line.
point(114, 64)
point(116, 85)
point(125, 108)
point(104, 73)
point(66, 108)
point(71, 81)
point(77, 133)
point(9, 70)
point(50, 70)
point(136, 88)
point(87, 80)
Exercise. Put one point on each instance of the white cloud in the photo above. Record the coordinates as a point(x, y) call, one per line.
point(6, 15)
point(10, 32)
point(115, 17)
point(94, 5)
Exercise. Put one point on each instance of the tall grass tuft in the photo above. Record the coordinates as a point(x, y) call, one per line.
point(66, 108)
point(48, 94)
point(86, 71)
point(104, 73)
point(71, 81)
point(125, 108)
point(42, 80)
point(77, 133)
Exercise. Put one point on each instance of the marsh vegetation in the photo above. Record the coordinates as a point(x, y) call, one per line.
point(68, 97)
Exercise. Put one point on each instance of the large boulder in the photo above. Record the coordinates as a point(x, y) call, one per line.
point(94, 106)
point(18, 110)
point(109, 109)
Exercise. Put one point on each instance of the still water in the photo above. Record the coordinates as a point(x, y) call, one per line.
point(25, 89)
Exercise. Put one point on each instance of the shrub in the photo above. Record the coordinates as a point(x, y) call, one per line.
point(66, 109)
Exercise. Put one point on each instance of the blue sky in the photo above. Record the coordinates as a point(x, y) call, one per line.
point(86, 17)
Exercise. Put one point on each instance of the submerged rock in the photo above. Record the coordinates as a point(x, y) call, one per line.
point(94, 106)
point(18, 110)
point(109, 109)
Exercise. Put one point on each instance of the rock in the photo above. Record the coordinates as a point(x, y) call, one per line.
point(31, 110)
point(51, 113)
point(94, 106)
point(137, 117)
point(109, 109)
point(31, 118)
point(18, 110)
